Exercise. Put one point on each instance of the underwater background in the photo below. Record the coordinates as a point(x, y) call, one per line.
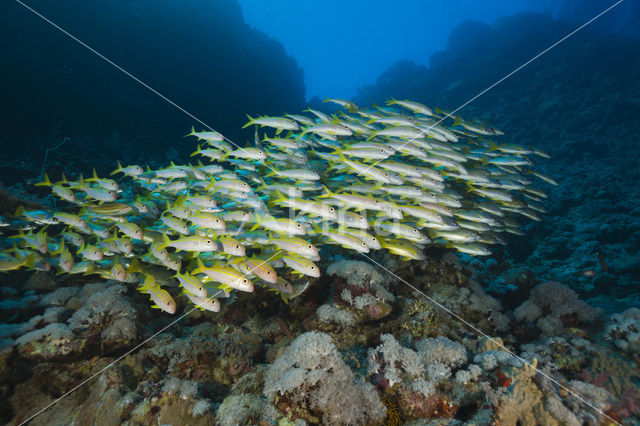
point(544, 330)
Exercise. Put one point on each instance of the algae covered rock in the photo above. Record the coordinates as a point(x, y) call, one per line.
point(55, 341)
point(108, 315)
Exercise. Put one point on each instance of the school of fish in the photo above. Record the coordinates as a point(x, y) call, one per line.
point(393, 178)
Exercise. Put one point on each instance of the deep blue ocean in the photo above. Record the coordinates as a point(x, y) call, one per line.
point(447, 191)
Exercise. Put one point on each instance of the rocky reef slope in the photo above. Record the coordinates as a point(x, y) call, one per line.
point(580, 103)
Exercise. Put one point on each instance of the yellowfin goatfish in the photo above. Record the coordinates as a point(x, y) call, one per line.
point(225, 275)
point(160, 297)
point(210, 136)
point(384, 178)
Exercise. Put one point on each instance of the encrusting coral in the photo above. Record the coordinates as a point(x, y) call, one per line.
point(310, 380)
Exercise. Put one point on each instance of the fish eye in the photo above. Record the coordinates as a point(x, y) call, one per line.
point(208, 241)
point(309, 246)
point(298, 225)
point(244, 280)
point(313, 268)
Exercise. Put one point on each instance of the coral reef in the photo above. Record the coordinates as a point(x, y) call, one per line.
point(310, 379)
point(322, 361)
point(553, 306)
point(361, 289)
point(624, 330)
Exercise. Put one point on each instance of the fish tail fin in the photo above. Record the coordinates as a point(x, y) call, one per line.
point(91, 269)
point(493, 146)
point(338, 152)
point(81, 183)
point(251, 120)
point(263, 184)
point(29, 261)
point(19, 211)
point(341, 155)
point(279, 197)
point(143, 286)
point(165, 241)
point(199, 266)
point(193, 132)
point(471, 187)
point(328, 193)
point(118, 170)
point(134, 266)
point(377, 186)
point(258, 220)
point(212, 185)
point(45, 181)
point(316, 228)
point(180, 200)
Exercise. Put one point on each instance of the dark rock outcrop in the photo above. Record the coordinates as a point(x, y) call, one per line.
point(579, 102)
point(201, 55)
